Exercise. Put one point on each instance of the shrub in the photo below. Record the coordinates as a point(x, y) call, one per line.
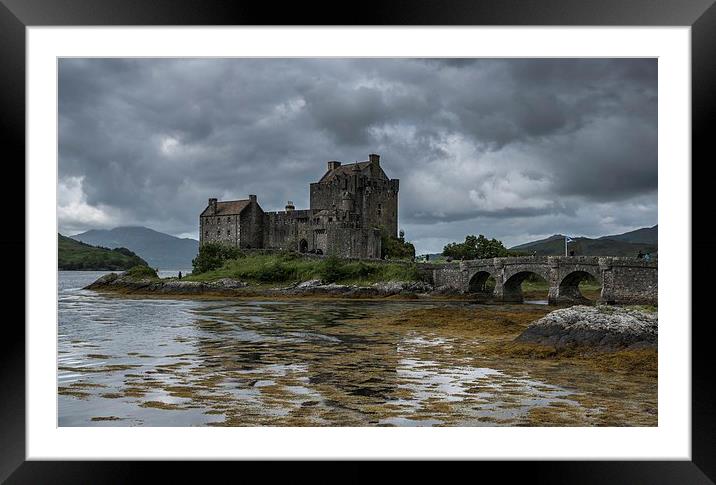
point(273, 271)
point(141, 272)
point(395, 247)
point(213, 256)
point(332, 269)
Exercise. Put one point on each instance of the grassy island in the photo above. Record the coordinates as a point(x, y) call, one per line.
point(286, 267)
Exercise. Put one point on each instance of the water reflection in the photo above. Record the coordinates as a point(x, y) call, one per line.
point(143, 361)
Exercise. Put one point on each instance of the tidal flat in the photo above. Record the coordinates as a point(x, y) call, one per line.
point(163, 362)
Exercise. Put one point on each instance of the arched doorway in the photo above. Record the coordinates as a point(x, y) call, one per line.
point(579, 287)
point(526, 286)
point(303, 246)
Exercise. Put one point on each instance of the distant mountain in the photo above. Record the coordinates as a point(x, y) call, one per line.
point(161, 250)
point(645, 235)
point(627, 244)
point(76, 255)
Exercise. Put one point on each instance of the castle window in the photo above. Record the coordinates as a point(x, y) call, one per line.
point(206, 234)
point(218, 233)
point(219, 220)
point(228, 232)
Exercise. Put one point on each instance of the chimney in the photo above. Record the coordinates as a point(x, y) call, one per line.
point(374, 159)
point(212, 204)
point(289, 206)
point(332, 165)
point(252, 198)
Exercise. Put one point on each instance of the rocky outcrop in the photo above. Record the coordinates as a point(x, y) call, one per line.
point(602, 327)
point(123, 283)
point(126, 284)
point(388, 288)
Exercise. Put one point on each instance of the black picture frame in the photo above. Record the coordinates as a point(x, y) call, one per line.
point(700, 15)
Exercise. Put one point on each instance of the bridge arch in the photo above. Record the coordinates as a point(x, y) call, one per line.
point(522, 271)
point(512, 286)
point(479, 282)
point(569, 284)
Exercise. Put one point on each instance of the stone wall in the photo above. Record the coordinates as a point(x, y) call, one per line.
point(347, 241)
point(282, 229)
point(379, 205)
point(624, 280)
point(252, 218)
point(306, 231)
point(629, 280)
point(220, 229)
point(374, 200)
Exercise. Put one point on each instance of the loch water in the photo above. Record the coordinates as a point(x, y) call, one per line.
point(142, 361)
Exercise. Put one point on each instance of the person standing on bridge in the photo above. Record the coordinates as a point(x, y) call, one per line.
point(640, 255)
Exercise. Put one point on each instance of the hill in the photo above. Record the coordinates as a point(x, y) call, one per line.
point(76, 255)
point(627, 244)
point(645, 235)
point(160, 250)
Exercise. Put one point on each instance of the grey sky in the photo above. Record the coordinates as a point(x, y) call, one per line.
point(517, 149)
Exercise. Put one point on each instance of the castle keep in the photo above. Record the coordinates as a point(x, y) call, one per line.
point(349, 207)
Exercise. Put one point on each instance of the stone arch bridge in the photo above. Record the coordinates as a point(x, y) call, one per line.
point(623, 280)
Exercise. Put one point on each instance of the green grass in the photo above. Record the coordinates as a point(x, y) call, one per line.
point(291, 268)
point(141, 272)
point(538, 288)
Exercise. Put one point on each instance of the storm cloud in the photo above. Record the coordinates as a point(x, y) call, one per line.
point(516, 149)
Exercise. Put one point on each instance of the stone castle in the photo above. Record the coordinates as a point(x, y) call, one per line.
point(349, 208)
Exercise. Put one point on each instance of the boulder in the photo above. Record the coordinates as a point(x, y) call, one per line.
point(228, 284)
point(309, 284)
point(603, 327)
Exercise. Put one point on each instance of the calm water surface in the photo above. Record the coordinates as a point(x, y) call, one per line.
point(162, 362)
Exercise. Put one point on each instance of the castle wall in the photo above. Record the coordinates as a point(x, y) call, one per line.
point(322, 231)
point(282, 229)
point(252, 226)
point(350, 242)
point(327, 195)
point(379, 204)
point(375, 199)
point(219, 229)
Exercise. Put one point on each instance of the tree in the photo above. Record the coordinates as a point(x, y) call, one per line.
point(396, 247)
point(476, 248)
point(213, 256)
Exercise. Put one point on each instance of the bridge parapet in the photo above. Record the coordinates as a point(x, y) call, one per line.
point(624, 280)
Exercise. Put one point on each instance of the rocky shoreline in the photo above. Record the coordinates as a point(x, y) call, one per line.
point(122, 283)
point(602, 327)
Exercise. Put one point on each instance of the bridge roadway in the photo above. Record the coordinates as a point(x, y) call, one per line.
point(623, 280)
